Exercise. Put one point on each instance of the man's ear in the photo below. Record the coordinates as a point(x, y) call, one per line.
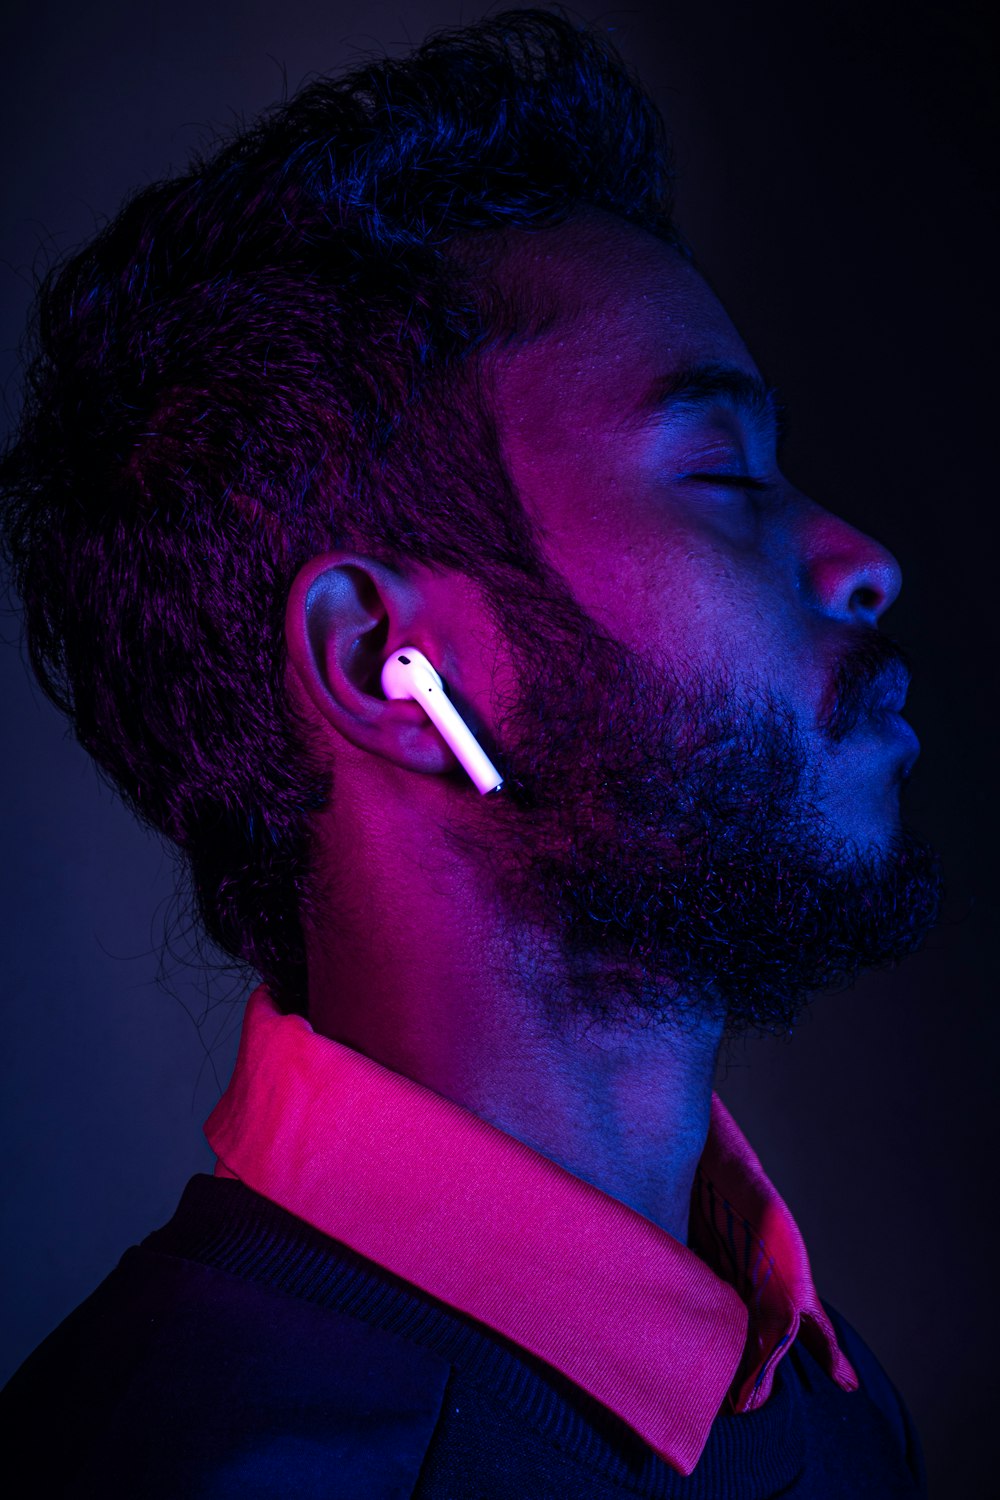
point(346, 614)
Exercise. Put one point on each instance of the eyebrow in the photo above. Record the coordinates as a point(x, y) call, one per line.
point(696, 387)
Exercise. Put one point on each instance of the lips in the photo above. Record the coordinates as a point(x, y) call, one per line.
point(891, 690)
point(870, 683)
point(892, 723)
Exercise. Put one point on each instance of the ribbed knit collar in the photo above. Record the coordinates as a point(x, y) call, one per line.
point(660, 1334)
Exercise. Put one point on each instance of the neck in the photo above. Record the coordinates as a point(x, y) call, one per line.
point(625, 1109)
point(419, 973)
point(628, 1114)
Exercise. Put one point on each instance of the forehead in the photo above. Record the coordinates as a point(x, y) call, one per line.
point(628, 311)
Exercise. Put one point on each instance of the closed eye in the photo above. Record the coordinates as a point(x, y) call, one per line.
point(732, 481)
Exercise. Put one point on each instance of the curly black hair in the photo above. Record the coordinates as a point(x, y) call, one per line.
point(271, 355)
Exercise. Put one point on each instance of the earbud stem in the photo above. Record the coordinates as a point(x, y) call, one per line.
point(443, 714)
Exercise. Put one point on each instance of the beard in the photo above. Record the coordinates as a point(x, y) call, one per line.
point(657, 851)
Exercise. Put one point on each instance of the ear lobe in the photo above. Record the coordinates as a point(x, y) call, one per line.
point(342, 611)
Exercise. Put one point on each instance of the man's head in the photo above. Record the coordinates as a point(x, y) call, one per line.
point(344, 331)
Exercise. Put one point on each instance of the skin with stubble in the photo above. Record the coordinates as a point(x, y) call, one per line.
point(699, 824)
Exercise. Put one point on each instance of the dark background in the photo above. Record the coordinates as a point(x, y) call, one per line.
point(835, 181)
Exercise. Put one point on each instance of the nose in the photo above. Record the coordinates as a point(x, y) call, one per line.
point(848, 575)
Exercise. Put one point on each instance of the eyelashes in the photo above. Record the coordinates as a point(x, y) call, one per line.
point(730, 481)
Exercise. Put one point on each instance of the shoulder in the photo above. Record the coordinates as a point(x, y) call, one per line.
point(176, 1378)
point(880, 1391)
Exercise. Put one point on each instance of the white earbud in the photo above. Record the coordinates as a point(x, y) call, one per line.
point(408, 674)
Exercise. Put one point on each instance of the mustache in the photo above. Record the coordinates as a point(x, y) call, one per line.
point(873, 675)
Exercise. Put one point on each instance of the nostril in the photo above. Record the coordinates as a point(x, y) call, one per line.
point(867, 600)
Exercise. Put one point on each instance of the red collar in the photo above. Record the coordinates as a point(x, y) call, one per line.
point(657, 1333)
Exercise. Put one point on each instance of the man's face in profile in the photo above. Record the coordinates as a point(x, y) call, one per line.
point(704, 807)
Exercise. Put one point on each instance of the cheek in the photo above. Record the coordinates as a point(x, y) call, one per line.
point(664, 578)
point(683, 595)
point(703, 610)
